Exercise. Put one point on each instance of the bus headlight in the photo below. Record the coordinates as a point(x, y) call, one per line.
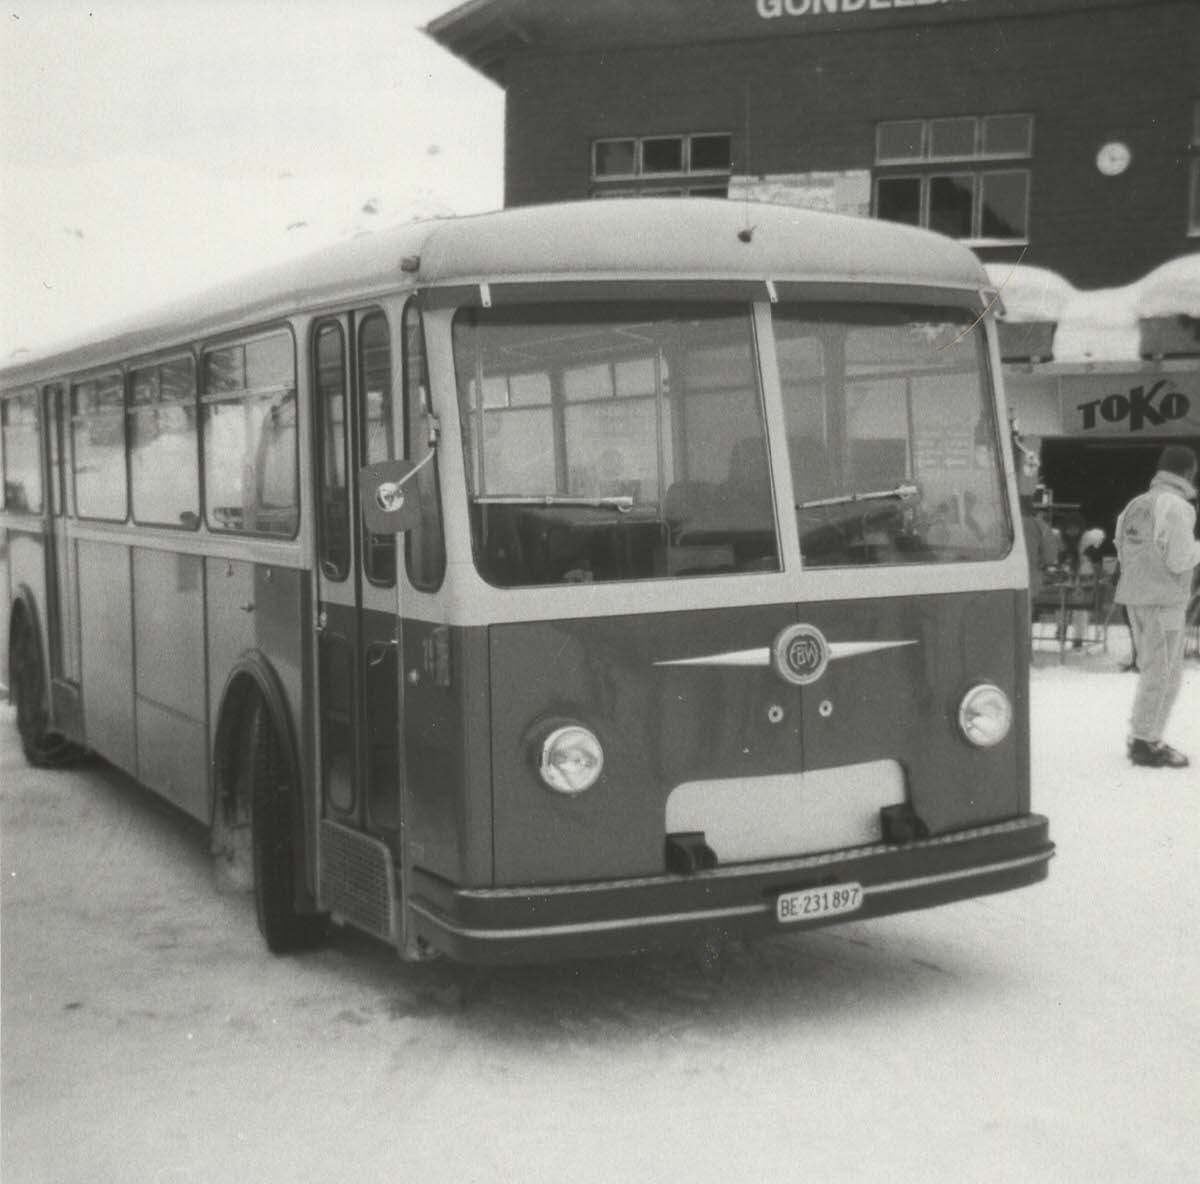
point(985, 715)
point(571, 759)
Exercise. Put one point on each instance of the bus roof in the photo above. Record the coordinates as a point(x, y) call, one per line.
point(631, 238)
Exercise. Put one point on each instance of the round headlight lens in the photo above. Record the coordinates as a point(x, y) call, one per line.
point(985, 715)
point(572, 759)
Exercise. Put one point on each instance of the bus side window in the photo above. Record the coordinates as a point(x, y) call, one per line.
point(378, 436)
point(98, 448)
point(163, 455)
point(249, 415)
point(22, 443)
point(425, 545)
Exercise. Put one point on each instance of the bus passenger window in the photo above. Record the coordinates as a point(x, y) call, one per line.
point(98, 440)
point(163, 451)
point(22, 441)
point(249, 415)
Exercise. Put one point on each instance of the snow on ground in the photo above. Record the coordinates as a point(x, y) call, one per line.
point(1049, 1034)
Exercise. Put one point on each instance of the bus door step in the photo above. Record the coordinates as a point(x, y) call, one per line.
point(358, 884)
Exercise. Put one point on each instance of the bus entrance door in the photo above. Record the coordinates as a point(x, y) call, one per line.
point(357, 640)
point(62, 637)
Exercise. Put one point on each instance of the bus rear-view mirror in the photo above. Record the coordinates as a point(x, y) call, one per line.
point(391, 502)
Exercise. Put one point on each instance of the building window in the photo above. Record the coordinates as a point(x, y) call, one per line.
point(1194, 167)
point(956, 175)
point(698, 165)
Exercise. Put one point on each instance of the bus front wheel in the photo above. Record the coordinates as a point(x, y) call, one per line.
point(41, 746)
point(274, 800)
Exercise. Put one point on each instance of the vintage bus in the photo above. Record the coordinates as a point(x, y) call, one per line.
point(560, 581)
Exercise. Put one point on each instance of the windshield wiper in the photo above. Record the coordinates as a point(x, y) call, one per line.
point(619, 502)
point(876, 495)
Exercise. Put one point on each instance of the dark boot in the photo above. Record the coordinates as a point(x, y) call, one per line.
point(1156, 755)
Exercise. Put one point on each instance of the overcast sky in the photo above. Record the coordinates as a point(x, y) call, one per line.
point(149, 147)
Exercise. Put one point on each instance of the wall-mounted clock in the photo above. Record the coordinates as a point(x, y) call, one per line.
point(1113, 158)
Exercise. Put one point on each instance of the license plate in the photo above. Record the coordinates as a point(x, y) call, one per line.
point(811, 903)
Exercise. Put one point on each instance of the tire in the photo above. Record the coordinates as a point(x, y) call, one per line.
point(273, 805)
point(42, 748)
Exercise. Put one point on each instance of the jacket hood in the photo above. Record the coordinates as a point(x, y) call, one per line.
point(1174, 482)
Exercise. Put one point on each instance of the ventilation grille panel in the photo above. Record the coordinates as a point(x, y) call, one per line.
point(357, 882)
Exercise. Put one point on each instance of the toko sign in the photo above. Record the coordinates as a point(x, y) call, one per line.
point(1165, 406)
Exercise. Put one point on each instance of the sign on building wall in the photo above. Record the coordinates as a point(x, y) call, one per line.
point(1131, 405)
point(770, 9)
point(845, 192)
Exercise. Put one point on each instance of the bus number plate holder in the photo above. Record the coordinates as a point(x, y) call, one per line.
point(809, 904)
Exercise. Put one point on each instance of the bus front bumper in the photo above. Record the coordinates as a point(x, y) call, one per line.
point(531, 923)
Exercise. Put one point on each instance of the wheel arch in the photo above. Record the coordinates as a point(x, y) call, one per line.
point(253, 674)
point(24, 602)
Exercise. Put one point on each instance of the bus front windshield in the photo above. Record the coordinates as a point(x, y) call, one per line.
point(891, 434)
point(624, 441)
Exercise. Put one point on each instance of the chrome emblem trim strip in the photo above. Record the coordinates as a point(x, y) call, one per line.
point(762, 655)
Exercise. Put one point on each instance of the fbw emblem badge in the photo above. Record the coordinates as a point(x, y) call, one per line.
point(800, 654)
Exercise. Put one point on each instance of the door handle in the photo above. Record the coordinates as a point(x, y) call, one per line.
point(379, 651)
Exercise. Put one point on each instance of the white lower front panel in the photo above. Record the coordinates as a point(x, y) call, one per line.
point(792, 814)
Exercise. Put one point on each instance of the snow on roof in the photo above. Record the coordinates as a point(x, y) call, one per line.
point(1029, 293)
point(1172, 289)
point(1101, 325)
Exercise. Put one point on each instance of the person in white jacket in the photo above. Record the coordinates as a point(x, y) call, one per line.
point(1157, 550)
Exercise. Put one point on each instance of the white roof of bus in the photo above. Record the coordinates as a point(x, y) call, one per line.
point(651, 238)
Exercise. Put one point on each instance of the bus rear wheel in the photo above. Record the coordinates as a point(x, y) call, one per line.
point(42, 747)
point(274, 802)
